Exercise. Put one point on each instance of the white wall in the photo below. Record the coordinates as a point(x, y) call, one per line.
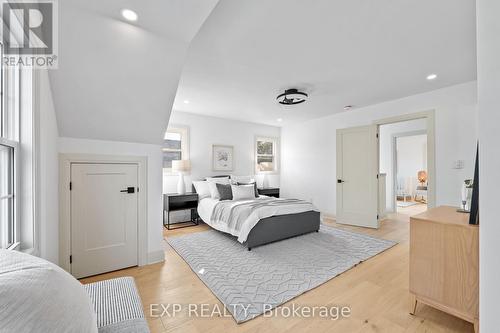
point(205, 131)
point(489, 137)
point(387, 133)
point(315, 142)
point(411, 158)
point(411, 155)
point(48, 172)
point(154, 182)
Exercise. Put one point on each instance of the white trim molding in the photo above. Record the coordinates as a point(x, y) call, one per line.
point(183, 130)
point(156, 257)
point(276, 154)
point(65, 161)
point(431, 147)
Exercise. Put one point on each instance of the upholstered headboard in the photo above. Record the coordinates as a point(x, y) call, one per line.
point(220, 176)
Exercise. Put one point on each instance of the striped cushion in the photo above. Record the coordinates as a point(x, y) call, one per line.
point(116, 301)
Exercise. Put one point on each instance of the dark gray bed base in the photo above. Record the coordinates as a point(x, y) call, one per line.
point(276, 228)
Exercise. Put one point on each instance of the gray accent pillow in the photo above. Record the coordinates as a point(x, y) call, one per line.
point(225, 191)
point(254, 185)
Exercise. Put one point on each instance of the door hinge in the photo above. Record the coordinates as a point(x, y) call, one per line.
point(377, 217)
point(70, 259)
point(137, 190)
point(70, 186)
point(377, 135)
point(377, 176)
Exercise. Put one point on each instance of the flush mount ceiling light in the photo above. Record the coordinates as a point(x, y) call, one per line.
point(348, 107)
point(186, 101)
point(279, 120)
point(431, 77)
point(129, 15)
point(291, 97)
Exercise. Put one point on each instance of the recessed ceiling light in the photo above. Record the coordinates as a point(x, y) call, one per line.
point(186, 101)
point(348, 107)
point(279, 120)
point(431, 77)
point(129, 15)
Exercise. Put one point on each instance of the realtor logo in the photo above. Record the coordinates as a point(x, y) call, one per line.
point(29, 33)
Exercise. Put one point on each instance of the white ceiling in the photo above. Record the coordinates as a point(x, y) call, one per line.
point(340, 52)
point(117, 81)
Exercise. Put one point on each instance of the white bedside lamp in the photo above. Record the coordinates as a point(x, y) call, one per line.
point(181, 166)
point(265, 168)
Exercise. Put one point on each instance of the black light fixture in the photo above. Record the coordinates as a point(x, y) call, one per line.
point(291, 97)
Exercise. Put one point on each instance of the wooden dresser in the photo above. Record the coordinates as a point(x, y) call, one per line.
point(444, 263)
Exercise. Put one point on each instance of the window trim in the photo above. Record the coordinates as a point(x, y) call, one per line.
point(276, 154)
point(2, 93)
point(15, 146)
point(19, 150)
point(183, 130)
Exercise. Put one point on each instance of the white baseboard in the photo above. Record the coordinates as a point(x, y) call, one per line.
point(156, 257)
point(327, 216)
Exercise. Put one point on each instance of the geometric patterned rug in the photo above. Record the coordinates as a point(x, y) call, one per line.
point(251, 282)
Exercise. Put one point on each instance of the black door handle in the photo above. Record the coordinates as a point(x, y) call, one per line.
point(130, 189)
point(340, 181)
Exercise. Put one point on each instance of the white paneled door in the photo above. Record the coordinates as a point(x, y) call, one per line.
point(104, 221)
point(357, 172)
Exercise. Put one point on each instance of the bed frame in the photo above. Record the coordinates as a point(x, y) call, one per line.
point(280, 227)
point(276, 228)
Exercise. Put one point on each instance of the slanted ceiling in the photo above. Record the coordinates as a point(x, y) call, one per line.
point(116, 80)
point(351, 52)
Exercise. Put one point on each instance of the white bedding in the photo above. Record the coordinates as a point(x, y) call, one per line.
point(241, 225)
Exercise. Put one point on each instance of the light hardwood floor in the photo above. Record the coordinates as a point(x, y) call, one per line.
point(412, 210)
point(376, 291)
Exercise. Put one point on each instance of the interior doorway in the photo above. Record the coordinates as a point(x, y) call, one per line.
point(410, 168)
point(403, 167)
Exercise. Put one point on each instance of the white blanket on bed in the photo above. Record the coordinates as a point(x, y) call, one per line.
point(239, 217)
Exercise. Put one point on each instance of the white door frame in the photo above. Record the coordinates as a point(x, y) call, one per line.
point(394, 138)
point(65, 161)
point(431, 147)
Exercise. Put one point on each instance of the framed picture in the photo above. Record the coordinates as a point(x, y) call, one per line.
point(222, 158)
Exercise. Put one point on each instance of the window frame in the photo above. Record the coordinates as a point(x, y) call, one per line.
point(13, 143)
point(184, 132)
point(15, 191)
point(22, 136)
point(275, 155)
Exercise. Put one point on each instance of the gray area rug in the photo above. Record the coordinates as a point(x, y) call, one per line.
point(250, 282)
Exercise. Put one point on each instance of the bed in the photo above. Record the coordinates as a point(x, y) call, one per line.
point(277, 219)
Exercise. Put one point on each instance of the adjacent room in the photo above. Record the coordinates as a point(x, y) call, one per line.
point(403, 157)
point(249, 166)
point(411, 174)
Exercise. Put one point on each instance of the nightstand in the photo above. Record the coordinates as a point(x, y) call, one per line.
point(270, 192)
point(173, 202)
point(422, 192)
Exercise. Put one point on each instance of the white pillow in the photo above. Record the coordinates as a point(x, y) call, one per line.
point(38, 296)
point(243, 192)
point(202, 189)
point(214, 192)
point(242, 179)
point(219, 180)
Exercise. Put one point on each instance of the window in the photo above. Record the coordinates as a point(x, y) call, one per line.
point(266, 154)
point(175, 146)
point(9, 168)
point(7, 208)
